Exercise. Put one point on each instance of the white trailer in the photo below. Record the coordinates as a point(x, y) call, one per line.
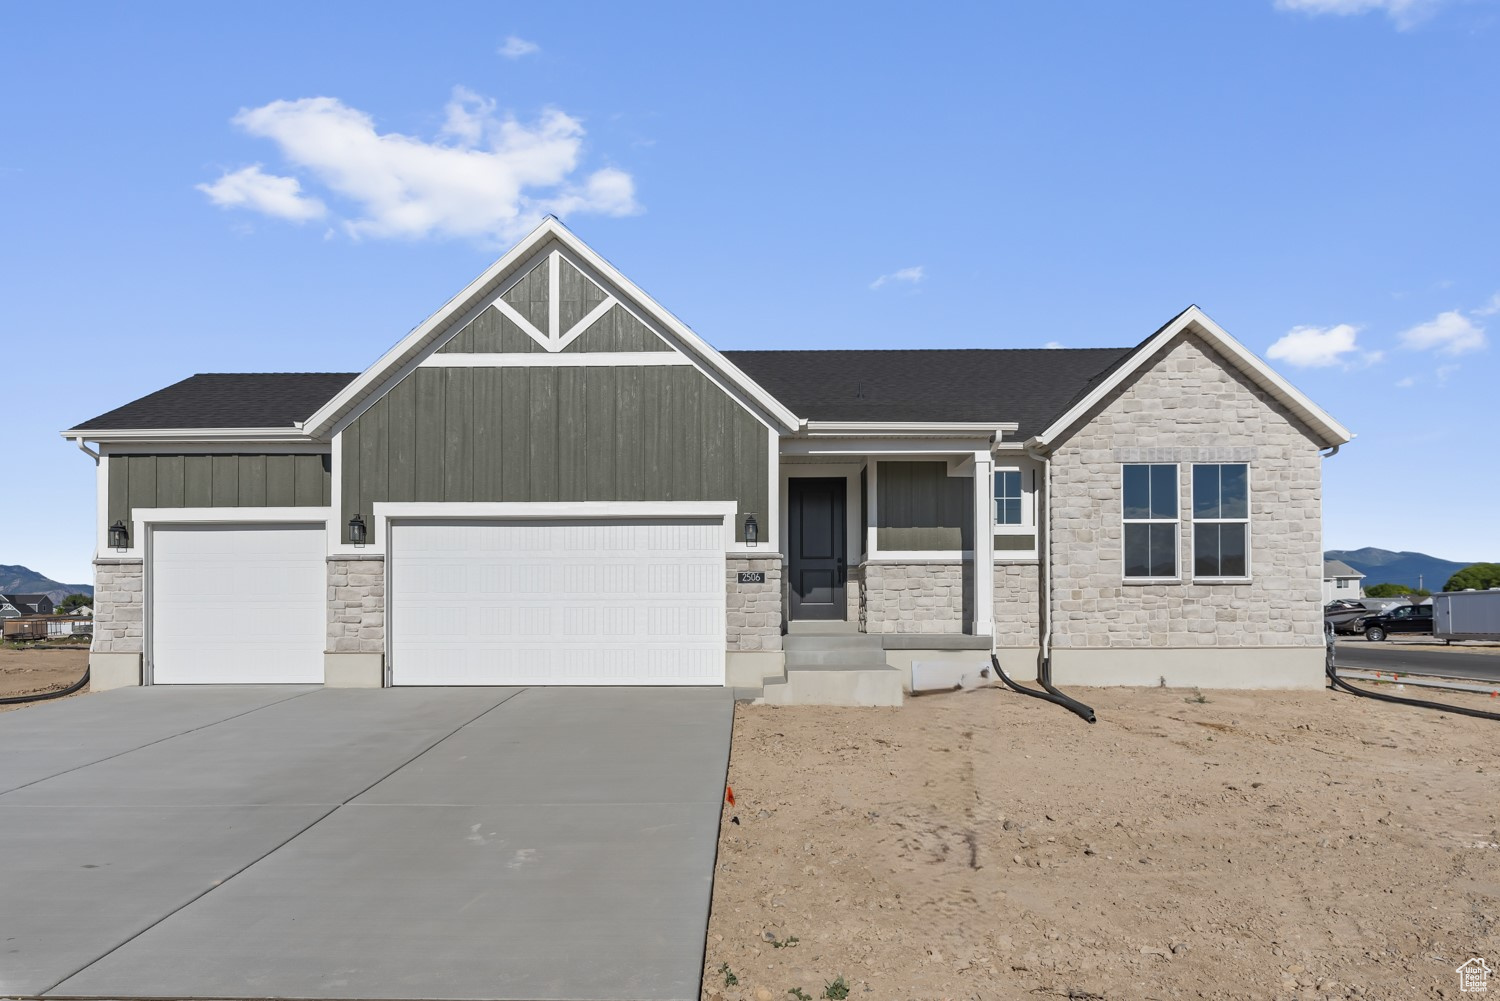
point(1466, 615)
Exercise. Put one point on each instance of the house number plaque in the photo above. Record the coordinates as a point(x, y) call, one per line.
point(752, 576)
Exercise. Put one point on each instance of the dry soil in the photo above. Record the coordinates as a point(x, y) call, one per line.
point(33, 670)
point(984, 845)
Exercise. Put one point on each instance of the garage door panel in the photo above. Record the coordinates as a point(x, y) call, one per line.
point(550, 603)
point(237, 604)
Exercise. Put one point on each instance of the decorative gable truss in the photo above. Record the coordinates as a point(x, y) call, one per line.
point(553, 306)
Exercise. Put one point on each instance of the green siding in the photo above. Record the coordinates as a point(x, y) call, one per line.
point(617, 330)
point(227, 480)
point(628, 433)
point(492, 332)
point(921, 508)
point(529, 296)
point(576, 296)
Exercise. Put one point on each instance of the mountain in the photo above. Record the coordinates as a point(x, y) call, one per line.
point(1381, 566)
point(27, 581)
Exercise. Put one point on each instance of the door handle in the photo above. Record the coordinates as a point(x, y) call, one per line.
point(842, 579)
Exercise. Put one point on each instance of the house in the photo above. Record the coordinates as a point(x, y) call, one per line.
point(552, 480)
point(1340, 580)
point(15, 605)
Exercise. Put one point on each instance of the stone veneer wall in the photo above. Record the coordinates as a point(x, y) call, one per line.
point(754, 610)
point(1018, 600)
point(927, 597)
point(356, 605)
point(1188, 407)
point(119, 606)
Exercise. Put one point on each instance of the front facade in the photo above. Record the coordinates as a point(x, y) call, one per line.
point(16, 605)
point(554, 481)
point(1341, 581)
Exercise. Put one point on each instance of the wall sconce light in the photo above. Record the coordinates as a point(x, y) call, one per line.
point(119, 537)
point(752, 531)
point(357, 531)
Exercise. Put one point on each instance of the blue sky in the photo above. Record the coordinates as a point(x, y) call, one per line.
point(189, 188)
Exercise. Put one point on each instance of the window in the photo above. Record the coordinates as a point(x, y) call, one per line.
point(1221, 521)
point(1343, 582)
point(1008, 497)
point(1150, 521)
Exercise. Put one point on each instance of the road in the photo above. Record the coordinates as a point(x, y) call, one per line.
point(1425, 660)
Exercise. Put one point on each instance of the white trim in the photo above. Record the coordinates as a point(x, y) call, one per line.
point(308, 447)
point(579, 359)
point(1178, 521)
point(142, 518)
point(240, 435)
point(886, 448)
point(989, 429)
point(387, 511)
point(554, 301)
point(922, 555)
point(984, 543)
point(513, 314)
point(774, 514)
point(589, 319)
point(872, 508)
point(101, 503)
point(1332, 432)
point(425, 333)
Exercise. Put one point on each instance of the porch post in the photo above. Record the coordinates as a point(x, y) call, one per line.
point(984, 543)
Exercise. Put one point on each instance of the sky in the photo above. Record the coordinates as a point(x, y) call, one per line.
point(292, 187)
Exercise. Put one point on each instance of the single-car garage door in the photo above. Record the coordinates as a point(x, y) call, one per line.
point(237, 604)
point(557, 602)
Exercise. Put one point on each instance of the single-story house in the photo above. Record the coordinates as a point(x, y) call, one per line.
point(15, 605)
point(1340, 580)
point(553, 480)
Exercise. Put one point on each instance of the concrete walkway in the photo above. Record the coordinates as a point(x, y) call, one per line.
point(317, 843)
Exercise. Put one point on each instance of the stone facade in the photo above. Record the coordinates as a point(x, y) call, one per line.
point(754, 610)
point(356, 605)
point(926, 597)
point(119, 606)
point(1018, 600)
point(1188, 406)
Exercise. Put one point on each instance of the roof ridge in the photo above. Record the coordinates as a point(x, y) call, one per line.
point(934, 351)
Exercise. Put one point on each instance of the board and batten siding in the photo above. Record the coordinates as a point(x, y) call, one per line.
point(537, 434)
point(920, 508)
point(227, 480)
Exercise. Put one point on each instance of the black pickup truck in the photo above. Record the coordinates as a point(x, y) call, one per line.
point(1402, 619)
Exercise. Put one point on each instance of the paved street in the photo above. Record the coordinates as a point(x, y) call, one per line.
point(1423, 659)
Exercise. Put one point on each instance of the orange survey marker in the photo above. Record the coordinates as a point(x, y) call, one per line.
point(729, 794)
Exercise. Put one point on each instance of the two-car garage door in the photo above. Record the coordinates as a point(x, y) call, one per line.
point(557, 602)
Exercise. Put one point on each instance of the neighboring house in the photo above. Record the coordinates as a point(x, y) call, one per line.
point(1340, 580)
point(13, 605)
point(552, 480)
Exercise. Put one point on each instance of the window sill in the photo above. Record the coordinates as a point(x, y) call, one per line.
point(1149, 581)
point(1222, 580)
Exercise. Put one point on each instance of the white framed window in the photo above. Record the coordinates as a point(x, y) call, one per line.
point(1221, 521)
point(1015, 511)
point(1343, 582)
point(1151, 520)
point(1008, 499)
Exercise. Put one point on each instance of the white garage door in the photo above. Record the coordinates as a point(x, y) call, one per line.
point(557, 603)
point(237, 604)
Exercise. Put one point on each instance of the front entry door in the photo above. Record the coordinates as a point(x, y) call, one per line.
point(817, 550)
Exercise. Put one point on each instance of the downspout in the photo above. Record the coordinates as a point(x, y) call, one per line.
point(83, 447)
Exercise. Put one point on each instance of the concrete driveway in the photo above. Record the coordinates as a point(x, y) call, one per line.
point(282, 842)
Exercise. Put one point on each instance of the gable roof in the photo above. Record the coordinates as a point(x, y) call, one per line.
point(397, 361)
point(27, 602)
point(226, 400)
point(1194, 320)
point(1031, 386)
point(1338, 568)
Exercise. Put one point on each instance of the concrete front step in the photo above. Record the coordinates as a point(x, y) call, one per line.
point(835, 685)
point(835, 658)
point(833, 641)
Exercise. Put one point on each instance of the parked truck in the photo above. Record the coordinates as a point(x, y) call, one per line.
point(1466, 615)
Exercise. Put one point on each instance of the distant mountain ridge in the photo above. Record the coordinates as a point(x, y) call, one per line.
point(1381, 566)
point(24, 580)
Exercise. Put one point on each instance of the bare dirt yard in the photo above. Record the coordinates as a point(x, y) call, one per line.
point(28, 671)
point(984, 845)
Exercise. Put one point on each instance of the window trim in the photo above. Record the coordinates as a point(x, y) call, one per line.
point(1177, 547)
point(1028, 523)
point(1246, 521)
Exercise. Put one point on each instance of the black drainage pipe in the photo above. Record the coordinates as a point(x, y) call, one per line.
point(1339, 684)
point(16, 700)
point(1050, 695)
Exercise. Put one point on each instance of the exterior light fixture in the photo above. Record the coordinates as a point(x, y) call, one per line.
point(119, 538)
point(752, 531)
point(357, 531)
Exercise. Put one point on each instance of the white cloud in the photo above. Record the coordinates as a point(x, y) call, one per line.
point(1490, 308)
point(487, 177)
point(909, 276)
point(1450, 333)
point(1406, 383)
point(515, 47)
point(252, 188)
point(1054, 345)
point(1318, 347)
point(1404, 13)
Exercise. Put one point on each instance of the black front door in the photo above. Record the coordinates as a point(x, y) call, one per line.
point(817, 549)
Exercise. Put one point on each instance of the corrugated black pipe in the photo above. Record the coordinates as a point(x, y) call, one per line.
point(1052, 695)
point(1044, 678)
point(1339, 684)
point(16, 700)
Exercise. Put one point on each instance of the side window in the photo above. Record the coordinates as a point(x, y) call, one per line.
point(1008, 497)
point(1150, 521)
point(1221, 521)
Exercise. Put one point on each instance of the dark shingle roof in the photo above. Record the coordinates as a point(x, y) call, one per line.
point(227, 400)
point(1031, 386)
